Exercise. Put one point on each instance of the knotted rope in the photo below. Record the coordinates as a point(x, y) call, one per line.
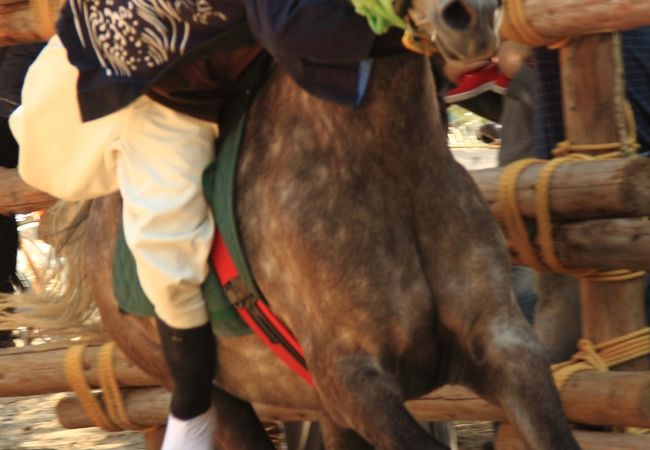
point(113, 416)
point(604, 355)
point(509, 212)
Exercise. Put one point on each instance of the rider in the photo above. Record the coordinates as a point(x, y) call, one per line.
point(94, 121)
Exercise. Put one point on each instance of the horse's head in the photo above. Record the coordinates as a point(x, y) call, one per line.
point(461, 29)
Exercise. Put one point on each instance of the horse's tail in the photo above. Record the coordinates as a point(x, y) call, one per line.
point(59, 301)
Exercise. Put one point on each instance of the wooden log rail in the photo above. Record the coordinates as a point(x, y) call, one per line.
point(148, 407)
point(604, 398)
point(603, 244)
point(581, 190)
point(16, 23)
point(23, 21)
point(560, 18)
point(35, 371)
point(17, 197)
point(599, 398)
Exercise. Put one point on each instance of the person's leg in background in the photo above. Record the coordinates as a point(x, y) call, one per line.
point(636, 57)
point(8, 230)
point(636, 53)
point(14, 62)
point(516, 143)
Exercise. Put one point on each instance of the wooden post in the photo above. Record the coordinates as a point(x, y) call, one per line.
point(560, 18)
point(593, 99)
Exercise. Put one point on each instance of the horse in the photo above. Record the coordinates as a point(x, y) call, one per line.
point(377, 250)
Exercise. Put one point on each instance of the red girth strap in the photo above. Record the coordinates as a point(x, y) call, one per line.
point(256, 313)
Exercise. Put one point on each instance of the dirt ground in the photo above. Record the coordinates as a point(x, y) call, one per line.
point(31, 423)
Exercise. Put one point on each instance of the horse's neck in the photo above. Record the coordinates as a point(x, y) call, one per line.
point(400, 105)
point(396, 131)
point(404, 85)
point(402, 95)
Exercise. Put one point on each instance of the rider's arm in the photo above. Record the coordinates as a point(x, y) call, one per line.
point(323, 44)
point(323, 31)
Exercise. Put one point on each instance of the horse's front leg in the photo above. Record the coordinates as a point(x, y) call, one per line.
point(338, 438)
point(360, 395)
point(238, 427)
point(514, 372)
point(500, 357)
point(466, 262)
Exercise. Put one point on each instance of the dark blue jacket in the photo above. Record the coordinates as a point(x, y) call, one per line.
point(122, 47)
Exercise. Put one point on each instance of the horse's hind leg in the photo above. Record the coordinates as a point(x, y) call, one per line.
point(359, 395)
point(238, 427)
point(338, 438)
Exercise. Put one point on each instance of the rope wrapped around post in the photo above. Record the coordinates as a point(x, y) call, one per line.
point(515, 27)
point(604, 355)
point(112, 415)
point(513, 222)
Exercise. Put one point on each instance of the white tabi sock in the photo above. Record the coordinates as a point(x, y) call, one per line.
point(193, 434)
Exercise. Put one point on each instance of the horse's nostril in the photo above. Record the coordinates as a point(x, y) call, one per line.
point(457, 15)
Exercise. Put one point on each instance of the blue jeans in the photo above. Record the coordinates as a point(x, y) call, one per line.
point(523, 284)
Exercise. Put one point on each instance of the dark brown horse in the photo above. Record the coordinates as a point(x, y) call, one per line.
point(378, 251)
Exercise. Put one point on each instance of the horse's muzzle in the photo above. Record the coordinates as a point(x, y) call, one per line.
point(466, 29)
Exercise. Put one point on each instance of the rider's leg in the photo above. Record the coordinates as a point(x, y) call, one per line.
point(190, 354)
point(169, 228)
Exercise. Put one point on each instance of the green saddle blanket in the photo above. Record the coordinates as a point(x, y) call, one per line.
point(218, 187)
point(132, 299)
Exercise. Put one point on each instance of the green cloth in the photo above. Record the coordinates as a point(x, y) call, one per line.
point(131, 298)
point(219, 187)
point(379, 14)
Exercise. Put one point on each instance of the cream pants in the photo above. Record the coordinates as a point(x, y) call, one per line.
point(153, 155)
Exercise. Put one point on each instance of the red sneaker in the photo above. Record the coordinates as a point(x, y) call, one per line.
point(500, 85)
point(474, 83)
